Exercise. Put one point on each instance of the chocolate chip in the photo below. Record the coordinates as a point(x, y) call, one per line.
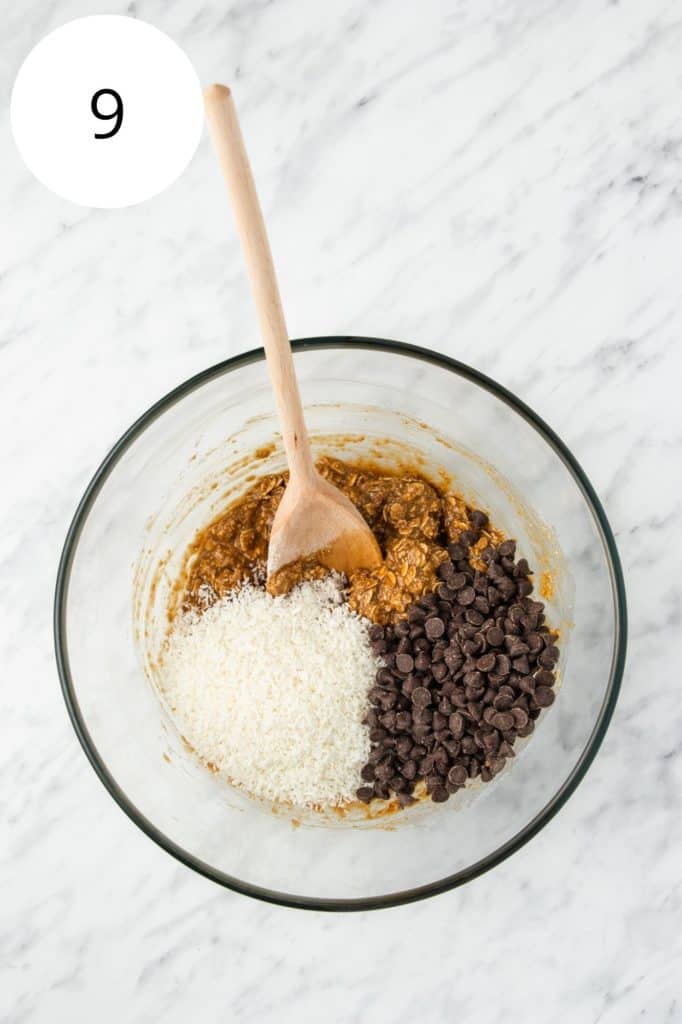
point(409, 684)
point(456, 725)
point(404, 662)
point(507, 588)
point(472, 678)
point(502, 665)
point(474, 710)
point(403, 746)
point(458, 697)
point(535, 642)
point(435, 627)
point(439, 671)
point(486, 663)
point(403, 721)
point(421, 697)
point(441, 759)
point(480, 582)
point(422, 662)
point(365, 793)
point(453, 658)
point(439, 721)
point(388, 699)
point(549, 657)
point(526, 684)
point(439, 794)
point(384, 769)
point(544, 696)
point(479, 520)
point(507, 549)
point(515, 646)
point(491, 740)
point(495, 636)
point(544, 677)
point(452, 746)
point(516, 613)
point(520, 717)
point(457, 775)
point(466, 596)
point(503, 720)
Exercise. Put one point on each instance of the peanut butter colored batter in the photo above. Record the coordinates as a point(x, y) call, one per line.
point(411, 519)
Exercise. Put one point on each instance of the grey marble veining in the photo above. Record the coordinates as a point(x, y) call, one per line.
point(500, 182)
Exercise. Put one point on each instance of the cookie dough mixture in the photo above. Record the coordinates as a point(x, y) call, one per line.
point(411, 520)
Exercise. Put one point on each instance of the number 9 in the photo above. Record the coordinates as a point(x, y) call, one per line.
point(117, 113)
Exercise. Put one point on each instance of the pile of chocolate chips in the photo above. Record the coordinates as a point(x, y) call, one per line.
point(465, 673)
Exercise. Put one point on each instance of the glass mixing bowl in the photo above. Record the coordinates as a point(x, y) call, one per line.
point(170, 473)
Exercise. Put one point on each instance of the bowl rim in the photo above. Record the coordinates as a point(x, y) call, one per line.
point(517, 841)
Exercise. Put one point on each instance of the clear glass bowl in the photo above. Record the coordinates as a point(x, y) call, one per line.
point(172, 470)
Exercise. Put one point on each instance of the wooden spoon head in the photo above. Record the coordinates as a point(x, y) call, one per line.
point(317, 519)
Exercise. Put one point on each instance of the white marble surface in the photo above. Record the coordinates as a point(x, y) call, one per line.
point(500, 181)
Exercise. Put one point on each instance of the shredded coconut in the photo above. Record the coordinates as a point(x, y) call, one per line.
point(271, 691)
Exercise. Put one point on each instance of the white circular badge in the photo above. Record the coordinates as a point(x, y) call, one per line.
point(107, 111)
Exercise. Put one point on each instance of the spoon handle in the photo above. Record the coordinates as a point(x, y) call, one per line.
point(229, 146)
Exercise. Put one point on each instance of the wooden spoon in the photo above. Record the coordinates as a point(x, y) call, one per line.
point(313, 518)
